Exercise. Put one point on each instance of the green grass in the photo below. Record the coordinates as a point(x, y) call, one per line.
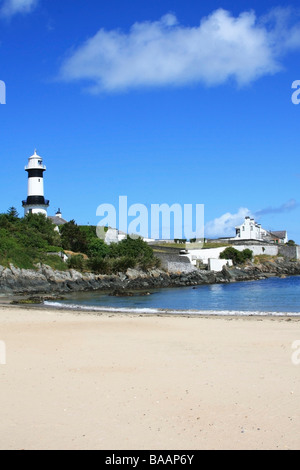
point(55, 262)
point(215, 245)
point(183, 246)
point(20, 259)
point(179, 246)
point(54, 249)
point(263, 258)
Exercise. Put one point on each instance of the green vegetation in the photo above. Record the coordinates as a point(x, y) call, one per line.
point(215, 245)
point(179, 246)
point(25, 242)
point(237, 257)
point(73, 238)
point(76, 262)
point(263, 258)
point(118, 257)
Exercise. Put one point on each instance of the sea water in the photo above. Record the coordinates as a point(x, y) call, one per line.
point(273, 296)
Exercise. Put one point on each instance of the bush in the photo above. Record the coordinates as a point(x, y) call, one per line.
point(247, 254)
point(76, 262)
point(41, 228)
point(97, 248)
point(73, 239)
point(99, 265)
point(134, 248)
point(21, 243)
point(150, 263)
point(24, 242)
point(122, 264)
point(237, 257)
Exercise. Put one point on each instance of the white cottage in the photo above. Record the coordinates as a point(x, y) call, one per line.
point(251, 230)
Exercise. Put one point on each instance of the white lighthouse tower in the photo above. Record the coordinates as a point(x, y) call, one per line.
point(35, 202)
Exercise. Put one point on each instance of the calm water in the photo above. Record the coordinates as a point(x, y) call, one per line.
point(271, 296)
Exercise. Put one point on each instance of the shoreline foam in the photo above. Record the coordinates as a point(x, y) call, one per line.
point(172, 312)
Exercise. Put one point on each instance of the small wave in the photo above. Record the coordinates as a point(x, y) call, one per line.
point(158, 311)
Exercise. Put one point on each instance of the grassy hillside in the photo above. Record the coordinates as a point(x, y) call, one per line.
point(24, 242)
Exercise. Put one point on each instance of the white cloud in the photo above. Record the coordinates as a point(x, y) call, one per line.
point(224, 226)
point(12, 7)
point(222, 47)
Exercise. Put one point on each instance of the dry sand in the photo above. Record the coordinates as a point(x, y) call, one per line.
point(128, 382)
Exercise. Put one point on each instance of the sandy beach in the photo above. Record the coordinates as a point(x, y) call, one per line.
point(83, 381)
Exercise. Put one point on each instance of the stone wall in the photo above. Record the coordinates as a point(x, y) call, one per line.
point(289, 252)
point(173, 262)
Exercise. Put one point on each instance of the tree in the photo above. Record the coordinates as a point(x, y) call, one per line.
point(12, 214)
point(97, 248)
point(237, 257)
point(73, 238)
point(40, 226)
point(132, 247)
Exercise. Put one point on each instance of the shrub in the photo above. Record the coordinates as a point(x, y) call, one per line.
point(99, 265)
point(73, 238)
point(237, 257)
point(247, 254)
point(122, 264)
point(150, 263)
point(76, 262)
point(97, 248)
point(134, 248)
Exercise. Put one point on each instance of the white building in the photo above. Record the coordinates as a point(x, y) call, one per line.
point(251, 230)
point(114, 235)
point(57, 220)
point(35, 202)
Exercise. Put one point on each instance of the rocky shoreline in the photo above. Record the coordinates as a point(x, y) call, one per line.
point(47, 282)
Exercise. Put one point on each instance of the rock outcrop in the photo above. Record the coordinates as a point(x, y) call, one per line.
point(47, 281)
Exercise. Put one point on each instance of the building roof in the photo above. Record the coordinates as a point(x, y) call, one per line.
point(35, 155)
point(57, 220)
point(279, 234)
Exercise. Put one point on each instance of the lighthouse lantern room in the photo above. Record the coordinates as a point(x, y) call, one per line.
point(35, 202)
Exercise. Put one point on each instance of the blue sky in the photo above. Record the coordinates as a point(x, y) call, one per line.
point(163, 101)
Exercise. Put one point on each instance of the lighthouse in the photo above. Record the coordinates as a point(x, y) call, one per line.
point(35, 202)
